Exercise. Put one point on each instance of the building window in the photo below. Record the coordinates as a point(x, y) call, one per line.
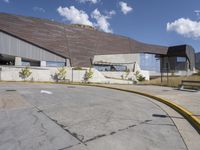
point(102, 67)
point(110, 67)
point(26, 63)
point(181, 59)
point(120, 68)
point(55, 64)
point(150, 62)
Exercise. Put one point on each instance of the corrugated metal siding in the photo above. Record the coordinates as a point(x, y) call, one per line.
point(10, 45)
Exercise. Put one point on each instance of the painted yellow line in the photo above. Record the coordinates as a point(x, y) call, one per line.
point(195, 122)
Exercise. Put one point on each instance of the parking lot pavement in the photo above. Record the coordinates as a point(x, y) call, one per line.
point(23, 127)
point(187, 98)
point(81, 118)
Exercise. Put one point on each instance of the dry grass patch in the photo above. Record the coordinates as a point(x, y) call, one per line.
point(172, 81)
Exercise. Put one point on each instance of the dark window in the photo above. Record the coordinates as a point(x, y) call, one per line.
point(55, 64)
point(120, 68)
point(26, 63)
point(181, 59)
point(110, 67)
point(102, 67)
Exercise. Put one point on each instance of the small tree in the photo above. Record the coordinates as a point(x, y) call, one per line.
point(25, 73)
point(139, 76)
point(61, 73)
point(88, 75)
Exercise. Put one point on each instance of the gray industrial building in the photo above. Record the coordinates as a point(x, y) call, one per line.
point(197, 58)
point(40, 42)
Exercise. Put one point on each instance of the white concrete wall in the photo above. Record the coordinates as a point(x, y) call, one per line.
point(98, 77)
point(119, 75)
point(145, 74)
point(115, 81)
point(38, 74)
point(10, 73)
point(127, 59)
point(78, 75)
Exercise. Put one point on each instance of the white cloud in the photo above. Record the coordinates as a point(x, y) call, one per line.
point(91, 1)
point(102, 20)
point(197, 12)
point(125, 8)
point(74, 15)
point(6, 1)
point(110, 13)
point(39, 9)
point(185, 27)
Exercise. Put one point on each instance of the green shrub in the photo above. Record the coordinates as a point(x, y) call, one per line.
point(25, 73)
point(61, 73)
point(88, 75)
point(139, 76)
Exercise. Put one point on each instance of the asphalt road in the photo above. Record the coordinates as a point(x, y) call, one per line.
point(61, 117)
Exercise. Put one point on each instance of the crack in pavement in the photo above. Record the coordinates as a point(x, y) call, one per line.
point(69, 147)
point(77, 136)
point(114, 132)
point(80, 138)
point(95, 137)
point(62, 126)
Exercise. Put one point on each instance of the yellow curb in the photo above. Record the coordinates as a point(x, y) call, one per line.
point(194, 121)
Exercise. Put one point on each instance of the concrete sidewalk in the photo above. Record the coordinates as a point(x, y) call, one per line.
point(187, 99)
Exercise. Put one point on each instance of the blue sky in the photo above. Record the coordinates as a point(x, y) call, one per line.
point(163, 22)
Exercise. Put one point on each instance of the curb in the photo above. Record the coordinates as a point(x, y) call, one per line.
point(193, 120)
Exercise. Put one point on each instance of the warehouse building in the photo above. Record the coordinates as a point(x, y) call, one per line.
point(28, 41)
